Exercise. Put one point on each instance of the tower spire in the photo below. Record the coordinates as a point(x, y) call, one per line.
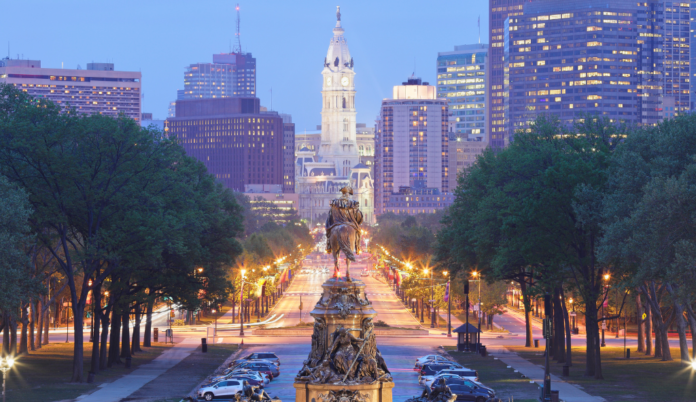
point(338, 13)
point(238, 49)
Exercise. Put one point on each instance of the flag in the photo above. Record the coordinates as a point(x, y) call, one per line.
point(447, 290)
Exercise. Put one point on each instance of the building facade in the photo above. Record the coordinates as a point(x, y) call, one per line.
point(364, 136)
point(229, 75)
point(611, 66)
point(412, 144)
point(335, 162)
point(288, 153)
point(239, 145)
point(499, 11)
point(98, 89)
point(412, 201)
point(462, 80)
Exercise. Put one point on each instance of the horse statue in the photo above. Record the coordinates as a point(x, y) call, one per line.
point(343, 229)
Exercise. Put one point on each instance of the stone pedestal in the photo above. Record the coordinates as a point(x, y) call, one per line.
point(376, 392)
point(345, 364)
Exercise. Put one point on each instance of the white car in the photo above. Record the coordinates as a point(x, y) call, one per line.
point(226, 389)
point(430, 359)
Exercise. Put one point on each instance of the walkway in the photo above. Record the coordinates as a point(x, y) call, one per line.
point(567, 392)
point(128, 384)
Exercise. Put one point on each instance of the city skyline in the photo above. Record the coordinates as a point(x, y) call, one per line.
point(161, 41)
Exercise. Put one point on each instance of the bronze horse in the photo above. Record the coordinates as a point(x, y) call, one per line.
point(343, 229)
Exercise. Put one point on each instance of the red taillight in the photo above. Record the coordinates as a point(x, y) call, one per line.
point(422, 372)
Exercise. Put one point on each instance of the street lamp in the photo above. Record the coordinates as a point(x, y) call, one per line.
point(5, 366)
point(91, 332)
point(215, 332)
point(478, 313)
point(449, 305)
point(241, 305)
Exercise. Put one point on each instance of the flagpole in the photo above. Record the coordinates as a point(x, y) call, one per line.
point(449, 311)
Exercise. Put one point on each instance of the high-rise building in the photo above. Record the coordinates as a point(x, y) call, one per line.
point(241, 146)
point(288, 153)
point(677, 52)
point(499, 11)
point(320, 174)
point(98, 89)
point(229, 75)
point(461, 79)
point(411, 146)
point(608, 66)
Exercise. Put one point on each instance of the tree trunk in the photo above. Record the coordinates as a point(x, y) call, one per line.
point(32, 326)
point(39, 320)
point(147, 338)
point(135, 345)
point(96, 303)
point(527, 314)
point(692, 323)
point(592, 338)
point(114, 344)
point(47, 323)
point(658, 340)
point(78, 336)
point(125, 335)
point(566, 322)
point(103, 358)
point(5, 334)
point(681, 330)
point(24, 335)
point(13, 336)
point(648, 330)
point(639, 322)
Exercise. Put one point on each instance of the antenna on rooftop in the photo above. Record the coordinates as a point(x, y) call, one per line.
point(238, 49)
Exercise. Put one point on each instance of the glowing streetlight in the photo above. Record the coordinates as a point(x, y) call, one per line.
point(200, 270)
point(606, 277)
point(445, 273)
point(693, 365)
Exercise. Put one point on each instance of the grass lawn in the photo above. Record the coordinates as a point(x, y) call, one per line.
point(494, 374)
point(44, 374)
point(639, 379)
point(484, 328)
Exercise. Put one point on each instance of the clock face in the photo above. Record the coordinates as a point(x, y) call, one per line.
point(344, 81)
point(328, 81)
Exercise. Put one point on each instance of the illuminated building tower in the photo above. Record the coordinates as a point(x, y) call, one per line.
point(98, 89)
point(499, 11)
point(320, 176)
point(580, 57)
point(229, 75)
point(240, 145)
point(412, 149)
point(461, 79)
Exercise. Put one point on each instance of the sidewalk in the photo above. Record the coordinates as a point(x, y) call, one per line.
point(567, 392)
point(130, 383)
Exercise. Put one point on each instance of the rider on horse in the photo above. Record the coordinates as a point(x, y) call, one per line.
point(343, 223)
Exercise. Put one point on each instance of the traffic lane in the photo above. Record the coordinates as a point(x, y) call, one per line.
point(305, 287)
point(384, 301)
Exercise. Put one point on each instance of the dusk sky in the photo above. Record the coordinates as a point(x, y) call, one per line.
point(289, 40)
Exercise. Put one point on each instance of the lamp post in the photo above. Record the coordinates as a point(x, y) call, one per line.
point(241, 305)
point(215, 331)
point(548, 331)
point(478, 313)
point(67, 305)
point(432, 298)
point(449, 305)
point(5, 366)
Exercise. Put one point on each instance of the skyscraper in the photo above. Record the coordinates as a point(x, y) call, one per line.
point(238, 144)
point(499, 11)
point(321, 175)
point(98, 89)
point(229, 75)
point(620, 62)
point(411, 146)
point(461, 79)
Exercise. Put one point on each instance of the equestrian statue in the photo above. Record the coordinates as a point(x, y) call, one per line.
point(343, 229)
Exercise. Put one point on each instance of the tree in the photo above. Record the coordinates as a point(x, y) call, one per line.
point(493, 299)
point(16, 287)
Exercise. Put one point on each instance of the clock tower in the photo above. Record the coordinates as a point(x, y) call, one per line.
point(319, 177)
point(338, 141)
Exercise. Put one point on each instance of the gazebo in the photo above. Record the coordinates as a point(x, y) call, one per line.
point(474, 334)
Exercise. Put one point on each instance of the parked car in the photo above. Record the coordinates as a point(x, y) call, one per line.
point(221, 390)
point(428, 380)
point(268, 356)
point(253, 377)
point(461, 381)
point(429, 359)
point(364, 273)
point(476, 394)
point(265, 377)
point(462, 372)
point(262, 367)
point(435, 368)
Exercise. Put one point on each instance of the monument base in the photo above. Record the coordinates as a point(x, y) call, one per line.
point(377, 392)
